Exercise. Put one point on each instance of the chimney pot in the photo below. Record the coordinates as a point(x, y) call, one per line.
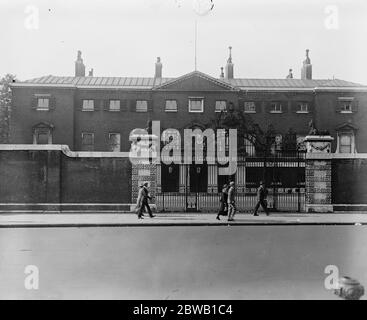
point(158, 68)
point(79, 65)
point(229, 66)
point(306, 71)
point(221, 73)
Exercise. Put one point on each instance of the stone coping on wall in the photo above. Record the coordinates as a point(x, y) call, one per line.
point(64, 149)
point(349, 155)
point(330, 156)
point(105, 154)
point(319, 156)
point(318, 138)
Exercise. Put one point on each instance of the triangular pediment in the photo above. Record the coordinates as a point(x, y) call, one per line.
point(43, 125)
point(347, 126)
point(195, 81)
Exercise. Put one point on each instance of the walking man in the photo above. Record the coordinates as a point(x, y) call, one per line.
point(223, 209)
point(142, 201)
point(262, 193)
point(231, 201)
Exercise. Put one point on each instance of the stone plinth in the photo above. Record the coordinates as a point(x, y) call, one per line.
point(318, 174)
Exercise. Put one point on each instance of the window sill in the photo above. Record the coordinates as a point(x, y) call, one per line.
point(302, 112)
point(196, 111)
point(219, 111)
point(276, 111)
point(85, 110)
point(346, 111)
point(114, 110)
point(37, 109)
point(249, 111)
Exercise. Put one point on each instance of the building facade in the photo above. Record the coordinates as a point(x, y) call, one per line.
point(90, 113)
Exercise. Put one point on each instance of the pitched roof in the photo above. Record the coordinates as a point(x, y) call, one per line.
point(150, 83)
point(121, 82)
point(290, 83)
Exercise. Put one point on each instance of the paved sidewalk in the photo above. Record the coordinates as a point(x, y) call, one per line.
point(9, 220)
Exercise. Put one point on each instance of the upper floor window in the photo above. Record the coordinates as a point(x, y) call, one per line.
point(171, 106)
point(114, 105)
point(220, 105)
point(250, 107)
point(141, 106)
point(196, 104)
point(43, 104)
point(276, 107)
point(302, 107)
point(345, 104)
point(87, 141)
point(88, 105)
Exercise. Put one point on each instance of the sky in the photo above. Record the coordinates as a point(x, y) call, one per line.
point(124, 37)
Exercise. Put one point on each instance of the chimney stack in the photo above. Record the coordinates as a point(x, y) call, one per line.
point(229, 65)
point(306, 72)
point(221, 73)
point(158, 69)
point(90, 73)
point(79, 66)
point(290, 74)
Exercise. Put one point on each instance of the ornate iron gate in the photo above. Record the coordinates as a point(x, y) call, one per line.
point(199, 188)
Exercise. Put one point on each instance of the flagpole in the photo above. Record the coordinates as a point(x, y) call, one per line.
point(196, 26)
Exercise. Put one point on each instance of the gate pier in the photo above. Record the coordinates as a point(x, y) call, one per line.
point(318, 174)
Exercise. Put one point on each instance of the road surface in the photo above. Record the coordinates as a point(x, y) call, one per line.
point(180, 262)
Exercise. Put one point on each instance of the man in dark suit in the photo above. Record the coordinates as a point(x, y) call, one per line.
point(142, 201)
point(231, 201)
point(261, 199)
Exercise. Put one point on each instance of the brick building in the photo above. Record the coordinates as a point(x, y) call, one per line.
point(98, 113)
point(90, 113)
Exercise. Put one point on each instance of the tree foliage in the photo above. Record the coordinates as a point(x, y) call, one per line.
point(5, 106)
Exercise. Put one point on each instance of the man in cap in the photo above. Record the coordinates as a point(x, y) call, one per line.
point(142, 201)
point(231, 201)
point(262, 193)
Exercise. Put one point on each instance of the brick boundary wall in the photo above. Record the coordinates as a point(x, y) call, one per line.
point(45, 178)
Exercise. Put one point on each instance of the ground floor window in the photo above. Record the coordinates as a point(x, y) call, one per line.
point(42, 134)
point(346, 143)
point(198, 178)
point(170, 177)
point(222, 180)
point(87, 141)
point(114, 142)
point(249, 147)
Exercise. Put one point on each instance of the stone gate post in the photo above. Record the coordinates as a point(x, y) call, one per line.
point(144, 166)
point(318, 173)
